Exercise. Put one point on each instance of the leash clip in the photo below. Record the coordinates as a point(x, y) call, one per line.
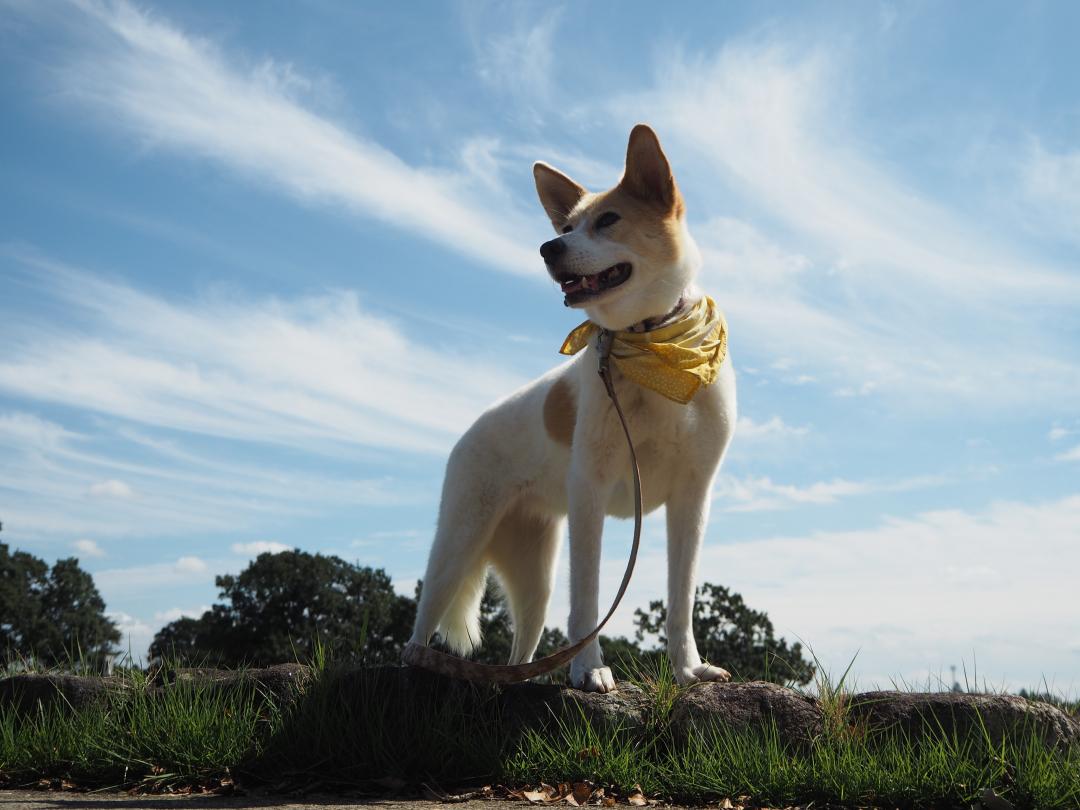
point(603, 350)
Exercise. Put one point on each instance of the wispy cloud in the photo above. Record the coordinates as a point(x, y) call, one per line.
point(185, 570)
point(519, 60)
point(1069, 455)
point(48, 469)
point(773, 428)
point(111, 489)
point(907, 595)
point(190, 565)
point(763, 115)
point(315, 373)
point(138, 73)
point(172, 614)
point(760, 493)
point(879, 287)
point(88, 548)
point(1051, 183)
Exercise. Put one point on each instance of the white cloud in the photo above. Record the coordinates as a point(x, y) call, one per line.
point(111, 489)
point(190, 565)
point(257, 547)
point(1069, 455)
point(772, 429)
point(909, 596)
point(1057, 433)
point(869, 285)
point(765, 117)
point(88, 548)
point(179, 93)
point(319, 372)
point(181, 491)
point(135, 635)
point(521, 60)
point(761, 493)
point(1051, 182)
point(164, 617)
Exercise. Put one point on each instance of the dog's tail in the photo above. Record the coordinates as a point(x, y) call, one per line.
point(450, 601)
point(460, 624)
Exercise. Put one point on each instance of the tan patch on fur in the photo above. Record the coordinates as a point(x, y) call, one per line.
point(648, 232)
point(560, 412)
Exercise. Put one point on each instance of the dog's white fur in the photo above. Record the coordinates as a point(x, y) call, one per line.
point(555, 449)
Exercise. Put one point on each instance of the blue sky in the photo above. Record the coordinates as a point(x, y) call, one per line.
point(261, 265)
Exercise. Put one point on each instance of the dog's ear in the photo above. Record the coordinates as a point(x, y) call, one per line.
point(558, 193)
point(647, 175)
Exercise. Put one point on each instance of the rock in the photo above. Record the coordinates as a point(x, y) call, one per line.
point(739, 706)
point(22, 693)
point(25, 692)
point(280, 681)
point(919, 713)
point(409, 691)
point(534, 704)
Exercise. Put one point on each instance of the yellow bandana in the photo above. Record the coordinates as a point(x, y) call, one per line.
point(674, 360)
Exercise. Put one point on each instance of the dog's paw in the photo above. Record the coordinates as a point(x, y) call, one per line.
point(702, 672)
point(594, 680)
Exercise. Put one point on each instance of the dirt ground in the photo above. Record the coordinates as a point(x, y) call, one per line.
point(49, 800)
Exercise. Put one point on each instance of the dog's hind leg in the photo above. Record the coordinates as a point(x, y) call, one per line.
point(525, 551)
point(456, 572)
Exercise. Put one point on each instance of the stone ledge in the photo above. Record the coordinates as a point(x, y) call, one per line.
point(742, 706)
point(738, 706)
point(920, 713)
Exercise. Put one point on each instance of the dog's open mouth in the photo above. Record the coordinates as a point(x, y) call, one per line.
point(581, 288)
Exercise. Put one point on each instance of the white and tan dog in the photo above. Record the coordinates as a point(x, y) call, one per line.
point(555, 448)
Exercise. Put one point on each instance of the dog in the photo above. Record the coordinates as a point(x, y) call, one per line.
point(554, 451)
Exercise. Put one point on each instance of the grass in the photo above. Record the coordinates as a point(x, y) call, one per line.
point(348, 730)
point(185, 735)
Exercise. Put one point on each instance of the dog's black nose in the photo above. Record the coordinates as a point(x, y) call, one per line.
point(552, 250)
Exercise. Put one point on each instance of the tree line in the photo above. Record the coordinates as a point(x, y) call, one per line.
point(284, 604)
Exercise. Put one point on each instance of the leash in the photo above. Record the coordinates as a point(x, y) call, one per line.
point(420, 655)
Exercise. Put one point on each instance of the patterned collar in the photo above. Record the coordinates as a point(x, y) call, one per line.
point(649, 324)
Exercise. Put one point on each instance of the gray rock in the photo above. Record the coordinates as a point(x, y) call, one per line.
point(408, 691)
point(25, 692)
point(280, 681)
point(533, 705)
point(751, 705)
point(919, 713)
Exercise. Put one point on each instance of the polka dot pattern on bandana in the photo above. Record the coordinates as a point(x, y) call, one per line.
point(674, 360)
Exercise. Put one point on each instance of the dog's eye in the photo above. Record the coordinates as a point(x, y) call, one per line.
point(567, 228)
point(606, 219)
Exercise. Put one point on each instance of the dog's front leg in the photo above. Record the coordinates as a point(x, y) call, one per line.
point(687, 514)
point(586, 499)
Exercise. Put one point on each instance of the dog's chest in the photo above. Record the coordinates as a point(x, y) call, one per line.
point(661, 433)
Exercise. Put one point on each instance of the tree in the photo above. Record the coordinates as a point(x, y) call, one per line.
point(731, 635)
point(626, 658)
point(51, 616)
point(278, 607)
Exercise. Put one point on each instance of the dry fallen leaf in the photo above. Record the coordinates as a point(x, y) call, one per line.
point(636, 797)
point(580, 793)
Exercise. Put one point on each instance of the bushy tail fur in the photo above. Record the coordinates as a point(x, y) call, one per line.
point(459, 626)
